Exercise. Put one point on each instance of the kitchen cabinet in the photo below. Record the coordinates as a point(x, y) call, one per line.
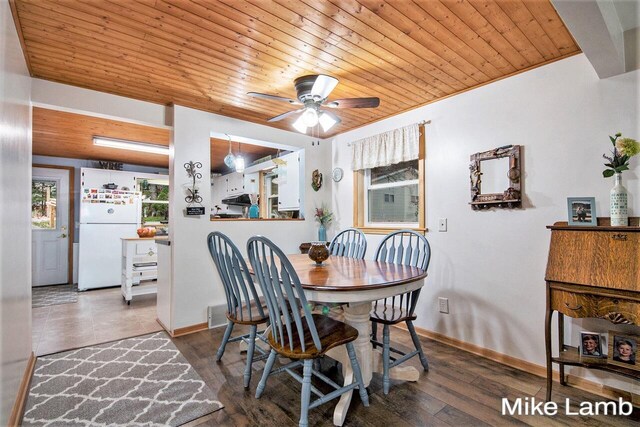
point(289, 183)
point(234, 184)
point(97, 178)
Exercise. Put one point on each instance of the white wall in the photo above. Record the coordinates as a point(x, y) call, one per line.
point(15, 203)
point(76, 99)
point(491, 264)
point(196, 285)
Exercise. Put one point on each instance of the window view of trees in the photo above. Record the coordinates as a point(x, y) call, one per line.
point(154, 212)
point(43, 204)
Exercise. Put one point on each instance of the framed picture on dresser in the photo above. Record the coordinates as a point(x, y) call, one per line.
point(623, 350)
point(582, 211)
point(590, 345)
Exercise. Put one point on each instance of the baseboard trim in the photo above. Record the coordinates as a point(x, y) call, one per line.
point(190, 329)
point(523, 365)
point(23, 392)
point(167, 330)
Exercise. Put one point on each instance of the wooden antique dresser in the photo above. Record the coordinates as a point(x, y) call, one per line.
point(591, 272)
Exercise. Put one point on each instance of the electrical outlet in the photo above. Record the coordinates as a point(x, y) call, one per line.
point(442, 224)
point(443, 304)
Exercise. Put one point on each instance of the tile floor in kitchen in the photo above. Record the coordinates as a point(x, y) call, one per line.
point(99, 316)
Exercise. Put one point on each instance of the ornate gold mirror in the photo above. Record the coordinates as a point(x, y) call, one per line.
point(495, 178)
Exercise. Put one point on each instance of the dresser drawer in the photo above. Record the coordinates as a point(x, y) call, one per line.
point(617, 310)
point(573, 304)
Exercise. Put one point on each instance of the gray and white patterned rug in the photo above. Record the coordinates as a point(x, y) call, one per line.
point(137, 381)
point(43, 296)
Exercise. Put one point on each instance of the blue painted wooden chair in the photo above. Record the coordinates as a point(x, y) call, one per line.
point(349, 243)
point(243, 304)
point(408, 248)
point(302, 338)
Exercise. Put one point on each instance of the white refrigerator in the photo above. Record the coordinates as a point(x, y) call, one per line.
point(106, 216)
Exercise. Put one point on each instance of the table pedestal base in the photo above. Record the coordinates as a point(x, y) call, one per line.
point(370, 360)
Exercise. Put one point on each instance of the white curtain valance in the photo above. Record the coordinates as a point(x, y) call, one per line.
point(388, 148)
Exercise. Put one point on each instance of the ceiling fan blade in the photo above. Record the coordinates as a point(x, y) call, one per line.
point(323, 86)
point(284, 115)
point(273, 98)
point(354, 103)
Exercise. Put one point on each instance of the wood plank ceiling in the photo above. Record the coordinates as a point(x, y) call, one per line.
point(208, 54)
point(63, 134)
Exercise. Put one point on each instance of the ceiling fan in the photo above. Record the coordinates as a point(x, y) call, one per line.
point(313, 91)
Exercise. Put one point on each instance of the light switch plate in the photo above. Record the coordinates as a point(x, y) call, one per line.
point(443, 305)
point(442, 224)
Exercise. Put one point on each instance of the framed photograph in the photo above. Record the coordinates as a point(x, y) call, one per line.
point(623, 350)
point(582, 211)
point(590, 345)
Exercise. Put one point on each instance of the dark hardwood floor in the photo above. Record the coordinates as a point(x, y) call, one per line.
point(459, 389)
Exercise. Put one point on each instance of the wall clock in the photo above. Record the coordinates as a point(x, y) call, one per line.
point(337, 174)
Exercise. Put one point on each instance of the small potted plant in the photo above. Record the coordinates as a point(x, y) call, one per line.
point(324, 217)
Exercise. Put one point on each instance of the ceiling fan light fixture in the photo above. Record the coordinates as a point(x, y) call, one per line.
point(123, 144)
point(299, 125)
point(326, 121)
point(310, 117)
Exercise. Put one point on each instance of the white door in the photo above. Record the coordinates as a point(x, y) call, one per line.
point(50, 226)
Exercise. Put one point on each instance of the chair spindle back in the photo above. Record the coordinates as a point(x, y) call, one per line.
point(283, 293)
point(405, 247)
point(350, 243)
point(242, 298)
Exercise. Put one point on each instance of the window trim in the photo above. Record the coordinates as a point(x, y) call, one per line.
point(360, 181)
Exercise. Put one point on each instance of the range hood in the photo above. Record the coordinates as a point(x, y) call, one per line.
point(241, 200)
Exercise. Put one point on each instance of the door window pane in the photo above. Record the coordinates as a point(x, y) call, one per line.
point(405, 171)
point(394, 204)
point(43, 204)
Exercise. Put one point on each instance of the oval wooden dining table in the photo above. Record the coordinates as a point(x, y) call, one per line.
point(356, 284)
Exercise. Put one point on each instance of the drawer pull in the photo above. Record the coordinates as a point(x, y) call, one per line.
point(573, 308)
point(619, 236)
point(150, 253)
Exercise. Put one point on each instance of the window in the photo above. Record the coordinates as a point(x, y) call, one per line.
point(391, 192)
point(43, 204)
point(389, 198)
point(155, 201)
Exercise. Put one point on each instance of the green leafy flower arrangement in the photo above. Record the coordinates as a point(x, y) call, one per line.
point(323, 215)
point(623, 150)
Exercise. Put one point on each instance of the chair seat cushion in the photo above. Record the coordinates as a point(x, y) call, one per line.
point(332, 333)
point(242, 316)
point(390, 314)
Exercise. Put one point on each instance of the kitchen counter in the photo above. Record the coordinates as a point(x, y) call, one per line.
point(256, 219)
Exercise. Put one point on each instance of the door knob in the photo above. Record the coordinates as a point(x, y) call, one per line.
point(63, 235)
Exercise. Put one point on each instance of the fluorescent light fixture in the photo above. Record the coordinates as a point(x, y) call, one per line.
point(299, 125)
point(239, 163)
point(130, 145)
point(326, 121)
point(310, 117)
